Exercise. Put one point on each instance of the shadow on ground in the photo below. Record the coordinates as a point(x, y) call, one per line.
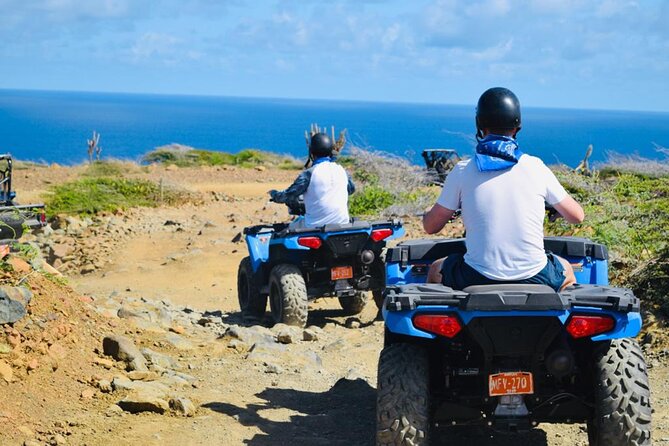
point(345, 415)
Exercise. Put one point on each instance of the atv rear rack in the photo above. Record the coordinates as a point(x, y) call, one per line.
point(512, 297)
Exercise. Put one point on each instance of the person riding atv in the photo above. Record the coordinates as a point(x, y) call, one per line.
point(324, 187)
point(502, 193)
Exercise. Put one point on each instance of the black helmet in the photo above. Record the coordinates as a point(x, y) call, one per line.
point(320, 145)
point(498, 109)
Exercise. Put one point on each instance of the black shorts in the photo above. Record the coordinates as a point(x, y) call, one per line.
point(457, 274)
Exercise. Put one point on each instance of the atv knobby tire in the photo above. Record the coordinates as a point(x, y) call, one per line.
point(403, 396)
point(354, 304)
point(288, 295)
point(622, 396)
point(251, 302)
point(378, 298)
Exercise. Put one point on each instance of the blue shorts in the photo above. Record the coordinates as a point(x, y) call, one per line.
point(456, 274)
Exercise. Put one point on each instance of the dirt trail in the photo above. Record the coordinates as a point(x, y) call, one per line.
point(318, 392)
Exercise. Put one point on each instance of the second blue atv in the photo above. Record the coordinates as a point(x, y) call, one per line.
point(292, 265)
point(510, 356)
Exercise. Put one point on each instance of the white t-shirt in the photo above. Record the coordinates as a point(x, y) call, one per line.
point(326, 198)
point(503, 212)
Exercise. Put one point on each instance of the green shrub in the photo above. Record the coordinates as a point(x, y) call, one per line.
point(370, 201)
point(186, 156)
point(89, 196)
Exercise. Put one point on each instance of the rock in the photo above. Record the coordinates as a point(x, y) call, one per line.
point(178, 329)
point(32, 364)
point(137, 375)
point(273, 368)
point(250, 335)
point(260, 168)
point(159, 359)
point(309, 335)
point(288, 335)
point(32, 443)
point(172, 168)
point(57, 440)
point(265, 351)
point(88, 394)
point(6, 372)
point(113, 410)
point(19, 265)
point(10, 310)
point(178, 341)
point(104, 362)
point(144, 402)
point(105, 386)
point(17, 293)
point(121, 383)
point(337, 345)
point(123, 349)
point(184, 406)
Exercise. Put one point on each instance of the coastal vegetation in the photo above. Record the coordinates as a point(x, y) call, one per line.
point(184, 156)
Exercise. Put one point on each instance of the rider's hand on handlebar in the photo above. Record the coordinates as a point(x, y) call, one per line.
point(553, 214)
point(272, 194)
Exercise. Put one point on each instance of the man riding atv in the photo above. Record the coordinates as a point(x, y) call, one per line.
point(502, 193)
point(325, 187)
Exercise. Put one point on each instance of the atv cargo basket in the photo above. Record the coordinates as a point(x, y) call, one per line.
point(518, 297)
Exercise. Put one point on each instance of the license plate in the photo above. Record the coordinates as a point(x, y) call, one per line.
point(510, 383)
point(341, 272)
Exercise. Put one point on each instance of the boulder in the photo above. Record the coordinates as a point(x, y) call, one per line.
point(184, 406)
point(123, 349)
point(144, 402)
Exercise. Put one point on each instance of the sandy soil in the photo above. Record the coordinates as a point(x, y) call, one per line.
point(193, 263)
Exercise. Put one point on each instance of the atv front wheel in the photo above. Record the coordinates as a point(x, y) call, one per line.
point(251, 302)
point(622, 396)
point(288, 295)
point(354, 304)
point(403, 396)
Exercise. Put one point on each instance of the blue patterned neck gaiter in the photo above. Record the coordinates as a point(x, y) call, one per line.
point(497, 152)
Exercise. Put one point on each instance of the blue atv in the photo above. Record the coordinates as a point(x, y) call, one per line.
point(290, 265)
point(510, 356)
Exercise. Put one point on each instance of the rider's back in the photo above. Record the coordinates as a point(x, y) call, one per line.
point(503, 213)
point(326, 198)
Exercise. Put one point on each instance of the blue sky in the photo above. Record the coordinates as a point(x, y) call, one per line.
point(607, 54)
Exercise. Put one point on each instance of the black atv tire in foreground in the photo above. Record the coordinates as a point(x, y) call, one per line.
point(403, 396)
point(288, 295)
point(622, 396)
point(251, 302)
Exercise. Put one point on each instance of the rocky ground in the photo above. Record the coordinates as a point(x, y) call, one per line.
point(141, 341)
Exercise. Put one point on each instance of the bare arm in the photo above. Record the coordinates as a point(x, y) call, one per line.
point(570, 210)
point(435, 219)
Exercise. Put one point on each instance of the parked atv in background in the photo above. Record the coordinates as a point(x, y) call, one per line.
point(14, 217)
point(290, 266)
point(510, 356)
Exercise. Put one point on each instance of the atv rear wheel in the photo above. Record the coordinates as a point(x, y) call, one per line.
point(288, 295)
point(403, 396)
point(622, 396)
point(251, 302)
point(354, 304)
point(378, 298)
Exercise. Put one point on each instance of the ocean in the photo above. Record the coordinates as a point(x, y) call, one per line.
point(53, 126)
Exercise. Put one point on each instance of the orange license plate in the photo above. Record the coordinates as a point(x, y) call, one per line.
point(341, 272)
point(510, 383)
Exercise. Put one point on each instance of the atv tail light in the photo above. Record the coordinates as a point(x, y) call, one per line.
point(381, 234)
point(42, 219)
point(438, 324)
point(581, 326)
point(310, 242)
